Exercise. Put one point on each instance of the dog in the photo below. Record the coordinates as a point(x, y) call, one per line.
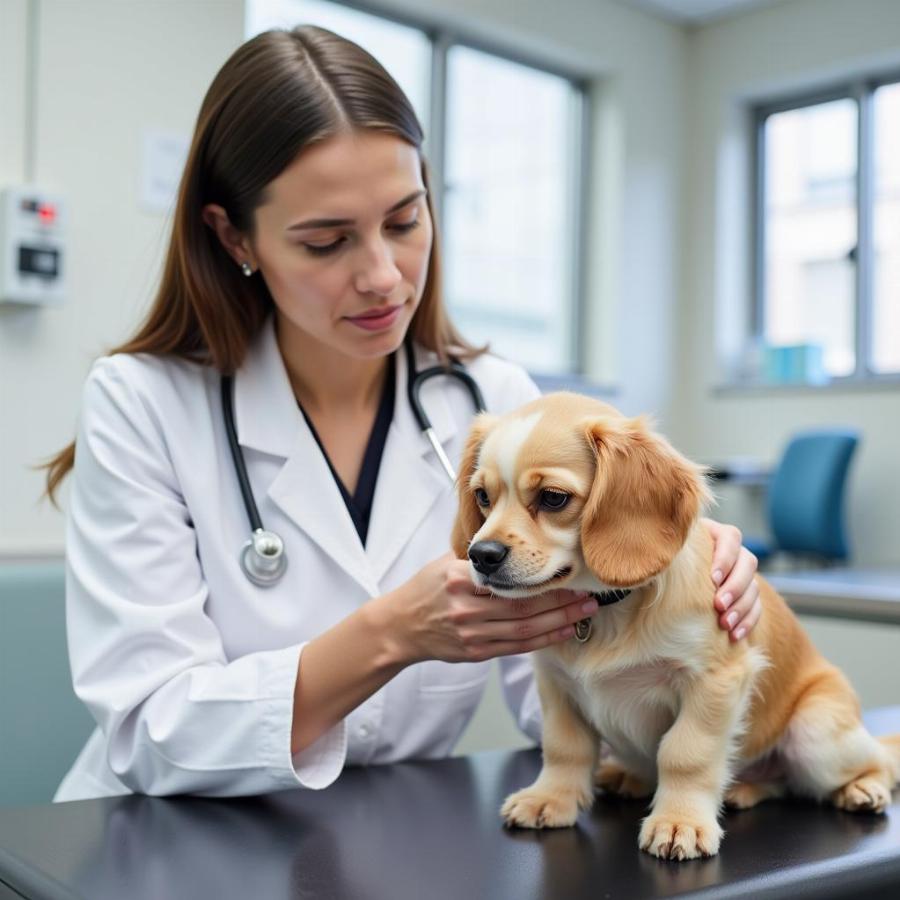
point(568, 492)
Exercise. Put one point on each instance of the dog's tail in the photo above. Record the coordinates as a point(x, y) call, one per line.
point(891, 743)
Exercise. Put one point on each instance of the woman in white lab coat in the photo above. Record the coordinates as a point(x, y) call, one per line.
point(302, 253)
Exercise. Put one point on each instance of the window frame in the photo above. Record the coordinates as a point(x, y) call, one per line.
point(862, 91)
point(442, 38)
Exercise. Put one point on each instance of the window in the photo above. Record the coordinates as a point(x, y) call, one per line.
point(886, 230)
point(828, 236)
point(507, 190)
point(508, 230)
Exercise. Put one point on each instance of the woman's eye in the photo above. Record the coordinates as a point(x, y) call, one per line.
point(481, 497)
point(554, 499)
point(324, 249)
point(403, 227)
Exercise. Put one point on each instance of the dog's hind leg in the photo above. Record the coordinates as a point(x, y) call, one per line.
point(612, 777)
point(891, 743)
point(828, 752)
point(865, 793)
point(746, 794)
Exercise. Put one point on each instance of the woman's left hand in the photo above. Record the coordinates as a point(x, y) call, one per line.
point(737, 595)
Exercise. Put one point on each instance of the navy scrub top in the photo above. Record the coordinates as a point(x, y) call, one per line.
point(359, 504)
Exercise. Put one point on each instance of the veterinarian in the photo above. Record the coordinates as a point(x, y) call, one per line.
point(302, 253)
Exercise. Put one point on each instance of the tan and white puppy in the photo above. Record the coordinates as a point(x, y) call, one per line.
point(567, 492)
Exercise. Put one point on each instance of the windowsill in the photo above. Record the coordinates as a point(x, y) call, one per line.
point(846, 592)
point(836, 385)
point(574, 382)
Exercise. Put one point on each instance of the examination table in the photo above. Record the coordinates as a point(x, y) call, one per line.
point(430, 831)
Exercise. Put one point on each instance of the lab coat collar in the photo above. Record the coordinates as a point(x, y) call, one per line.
point(410, 479)
point(265, 410)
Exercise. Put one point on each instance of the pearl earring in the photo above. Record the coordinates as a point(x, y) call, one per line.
point(245, 268)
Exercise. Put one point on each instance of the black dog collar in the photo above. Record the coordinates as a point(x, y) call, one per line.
point(607, 598)
point(584, 627)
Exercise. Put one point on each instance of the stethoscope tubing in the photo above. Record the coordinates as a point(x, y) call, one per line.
point(239, 466)
point(414, 383)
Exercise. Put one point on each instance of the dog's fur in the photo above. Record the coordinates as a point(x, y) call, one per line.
point(690, 717)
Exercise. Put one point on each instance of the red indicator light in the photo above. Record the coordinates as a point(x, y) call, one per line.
point(47, 213)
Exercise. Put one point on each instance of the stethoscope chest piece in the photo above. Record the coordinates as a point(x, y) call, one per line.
point(263, 558)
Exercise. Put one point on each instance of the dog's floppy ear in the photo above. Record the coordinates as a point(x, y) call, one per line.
point(643, 501)
point(468, 516)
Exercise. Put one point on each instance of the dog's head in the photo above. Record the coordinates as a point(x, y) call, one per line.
point(566, 491)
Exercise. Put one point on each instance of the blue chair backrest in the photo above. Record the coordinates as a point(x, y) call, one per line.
point(43, 725)
point(806, 497)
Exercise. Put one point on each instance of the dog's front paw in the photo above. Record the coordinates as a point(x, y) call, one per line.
point(680, 837)
point(541, 808)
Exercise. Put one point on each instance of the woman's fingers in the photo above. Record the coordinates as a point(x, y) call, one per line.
point(738, 582)
point(740, 618)
point(738, 597)
point(529, 628)
point(491, 649)
point(726, 550)
point(501, 609)
point(734, 568)
point(748, 623)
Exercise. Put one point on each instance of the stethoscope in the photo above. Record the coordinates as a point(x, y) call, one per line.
point(262, 558)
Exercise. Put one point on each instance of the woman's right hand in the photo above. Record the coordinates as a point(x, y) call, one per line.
point(440, 614)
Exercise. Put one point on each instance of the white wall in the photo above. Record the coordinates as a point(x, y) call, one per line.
point(13, 61)
point(107, 70)
point(776, 50)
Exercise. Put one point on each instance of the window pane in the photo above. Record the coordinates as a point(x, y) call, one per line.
point(811, 231)
point(886, 231)
point(508, 219)
point(404, 52)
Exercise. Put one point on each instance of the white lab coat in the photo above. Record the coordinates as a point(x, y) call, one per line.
point(186, 666)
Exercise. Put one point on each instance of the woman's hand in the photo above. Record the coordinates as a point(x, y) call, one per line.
point(440, 614)
point(737, 594)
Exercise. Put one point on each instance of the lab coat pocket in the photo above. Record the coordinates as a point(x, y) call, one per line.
point(436, 677)
point(448, 695)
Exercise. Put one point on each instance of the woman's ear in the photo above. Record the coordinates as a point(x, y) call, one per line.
point(233, 240)
point(643, 501)
point(468, 515)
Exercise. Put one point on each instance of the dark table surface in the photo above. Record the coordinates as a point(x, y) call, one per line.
point(429, 831)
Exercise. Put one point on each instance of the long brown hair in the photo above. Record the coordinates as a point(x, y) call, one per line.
point(278, 93)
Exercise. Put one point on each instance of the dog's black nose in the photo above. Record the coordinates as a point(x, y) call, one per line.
point(488, 556)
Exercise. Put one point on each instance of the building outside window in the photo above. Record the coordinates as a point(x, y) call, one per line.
point(828, 236)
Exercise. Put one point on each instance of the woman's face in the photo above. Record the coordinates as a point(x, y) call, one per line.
point(343, 241)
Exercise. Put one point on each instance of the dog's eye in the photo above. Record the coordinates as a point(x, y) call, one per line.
point(553, 499)
point(481, 497)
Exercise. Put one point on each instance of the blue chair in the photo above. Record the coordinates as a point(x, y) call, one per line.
point(805, 503)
